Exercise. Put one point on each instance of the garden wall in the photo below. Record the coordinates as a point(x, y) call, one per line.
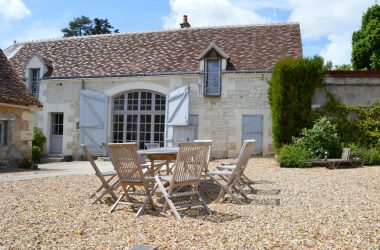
point(351, 87)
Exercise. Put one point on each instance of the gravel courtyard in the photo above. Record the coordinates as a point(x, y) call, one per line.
point(292, 208)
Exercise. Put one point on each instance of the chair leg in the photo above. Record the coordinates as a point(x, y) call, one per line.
point(225, 189)
point(207, 209)
point(116, 203)
point(166, 196)
point(148, 198)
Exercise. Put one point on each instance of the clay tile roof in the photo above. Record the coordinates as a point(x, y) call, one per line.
point(249, 47)
point(12, 88)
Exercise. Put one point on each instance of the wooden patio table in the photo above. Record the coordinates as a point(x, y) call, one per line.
point(156, 154)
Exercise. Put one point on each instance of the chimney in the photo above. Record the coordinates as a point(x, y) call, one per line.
point(185, 23)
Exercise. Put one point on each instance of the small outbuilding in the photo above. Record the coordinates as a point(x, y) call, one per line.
point(18, 109)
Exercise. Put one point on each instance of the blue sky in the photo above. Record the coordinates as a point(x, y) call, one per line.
point(326, 25)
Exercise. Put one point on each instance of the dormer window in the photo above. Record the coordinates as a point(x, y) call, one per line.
point(212, 79)
point(34, 81)
point(213, 62)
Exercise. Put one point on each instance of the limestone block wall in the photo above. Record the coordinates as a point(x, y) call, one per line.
point(219, 118)
point(19, 135)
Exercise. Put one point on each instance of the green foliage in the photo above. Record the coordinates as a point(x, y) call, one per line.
point(37, 145)
point(343, 67)
point(370, 156)
point(320, 140)
point(294, 156)
point(291, 91)
point(102, 26)
point(366, 41)
point(354, 124)
point(83, 26)
point(329, 66)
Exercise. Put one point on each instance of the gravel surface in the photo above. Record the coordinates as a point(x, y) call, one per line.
point(292, 208)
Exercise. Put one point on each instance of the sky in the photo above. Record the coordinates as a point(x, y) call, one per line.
point(326, 25)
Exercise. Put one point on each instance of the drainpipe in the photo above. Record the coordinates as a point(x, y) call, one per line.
point(82, 83)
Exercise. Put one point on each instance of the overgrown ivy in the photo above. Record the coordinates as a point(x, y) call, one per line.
point(355, 124)
point(291, 91)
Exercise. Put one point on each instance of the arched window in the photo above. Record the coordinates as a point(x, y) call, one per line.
point(139, 116)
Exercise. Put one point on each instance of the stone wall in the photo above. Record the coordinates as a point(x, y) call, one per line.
point(219, 118)
point(359, 88)
point(19, 135)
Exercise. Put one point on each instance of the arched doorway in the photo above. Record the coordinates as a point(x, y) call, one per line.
point(138, 116)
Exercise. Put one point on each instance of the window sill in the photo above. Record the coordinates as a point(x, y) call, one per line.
point(212, 95)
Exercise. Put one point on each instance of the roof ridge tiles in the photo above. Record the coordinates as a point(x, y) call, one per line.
point(156, 31)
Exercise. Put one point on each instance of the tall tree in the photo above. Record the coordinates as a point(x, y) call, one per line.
point(82, 26)
point(291, 92)
point(366, 41)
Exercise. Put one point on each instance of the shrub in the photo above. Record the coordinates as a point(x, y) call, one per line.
point(354, 124)
point(37, 145)
point(294, 156)
point(291, 90)
point(320, 139)
point(370, 156)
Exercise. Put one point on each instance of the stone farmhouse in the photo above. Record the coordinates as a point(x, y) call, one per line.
point(18, 108)
point(160, 86)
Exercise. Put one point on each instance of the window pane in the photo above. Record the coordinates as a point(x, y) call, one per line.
point(118, 102)
point(212, 78)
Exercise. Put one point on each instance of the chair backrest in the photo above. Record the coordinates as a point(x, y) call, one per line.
point(126, 161)
point(244, 155)
point(191, 159)
point(151, 145)
point(93, 164)
point(209, 149)
point(346, 153)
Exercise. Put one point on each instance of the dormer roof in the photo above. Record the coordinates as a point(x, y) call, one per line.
point(213, 46)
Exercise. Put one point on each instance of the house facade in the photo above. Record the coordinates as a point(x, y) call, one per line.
point(18, 108)
point(161, 86)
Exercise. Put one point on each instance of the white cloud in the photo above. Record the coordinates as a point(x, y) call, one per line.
point(320, 18)
point(338, 50)
point(331, 20)
point(13, 10)
point(209, 12)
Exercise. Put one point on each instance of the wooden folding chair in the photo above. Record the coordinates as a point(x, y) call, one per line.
point(105, 177)
point(131, 176)
point(230, 181)
point(188, 167)
point(208, 155)
point(245, 180)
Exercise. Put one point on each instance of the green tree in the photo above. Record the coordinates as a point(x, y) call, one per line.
point(80, 26)
point(291, 92)
point(366, 41)
point(83, 26)
point(343, 67)
point(102, 26)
